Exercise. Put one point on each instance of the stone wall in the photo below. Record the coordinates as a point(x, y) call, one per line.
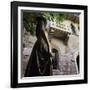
point(67, 55)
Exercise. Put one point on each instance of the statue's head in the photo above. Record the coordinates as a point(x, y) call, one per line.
point(41, 20)
point(41, 25)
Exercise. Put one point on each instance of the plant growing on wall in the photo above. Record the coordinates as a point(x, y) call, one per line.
point(29, 19)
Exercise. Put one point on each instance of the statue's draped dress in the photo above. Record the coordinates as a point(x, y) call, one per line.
point(39, 63)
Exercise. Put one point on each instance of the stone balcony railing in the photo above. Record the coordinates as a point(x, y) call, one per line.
point(61, 27)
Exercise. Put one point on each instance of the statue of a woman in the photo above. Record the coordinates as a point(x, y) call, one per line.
point(40, 60)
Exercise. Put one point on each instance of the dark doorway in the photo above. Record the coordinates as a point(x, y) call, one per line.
point(55, 58)
point(78, 62)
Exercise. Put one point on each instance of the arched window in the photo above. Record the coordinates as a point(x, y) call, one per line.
point(73, 28)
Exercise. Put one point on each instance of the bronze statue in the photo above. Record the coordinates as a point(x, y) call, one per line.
point(40, 60)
